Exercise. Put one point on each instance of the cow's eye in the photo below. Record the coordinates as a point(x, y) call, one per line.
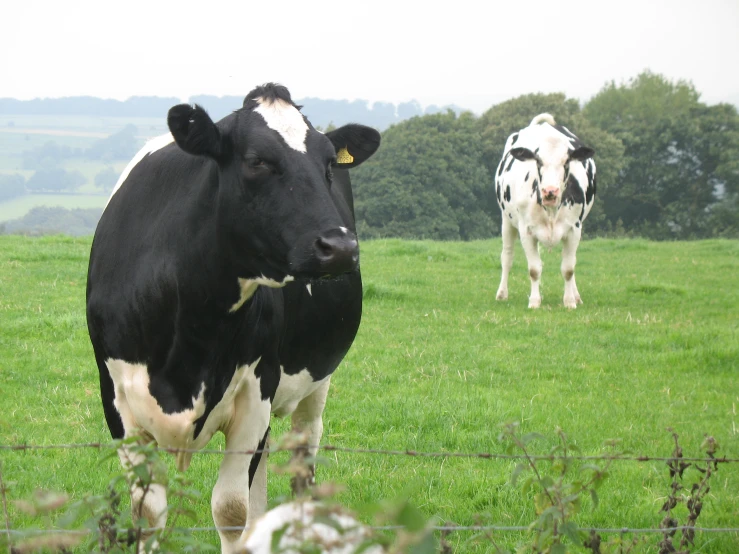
point(330, 174)
point(255, 167)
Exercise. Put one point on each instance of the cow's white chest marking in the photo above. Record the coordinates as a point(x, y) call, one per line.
point(249, 286)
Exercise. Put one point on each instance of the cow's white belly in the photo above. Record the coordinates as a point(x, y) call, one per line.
point(550, 234)
point(291, 390)
point(140, 411)
point(547, 226)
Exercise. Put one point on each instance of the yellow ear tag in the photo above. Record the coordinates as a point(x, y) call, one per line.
point(344, 157)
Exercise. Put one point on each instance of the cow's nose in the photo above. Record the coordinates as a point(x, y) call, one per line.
point(550, 191)
point(337, 254)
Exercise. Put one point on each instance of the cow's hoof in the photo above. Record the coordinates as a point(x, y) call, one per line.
point(502, 295)
point(535, 303)
point(578, 299)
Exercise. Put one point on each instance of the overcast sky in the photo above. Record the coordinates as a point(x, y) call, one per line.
point(470, 53)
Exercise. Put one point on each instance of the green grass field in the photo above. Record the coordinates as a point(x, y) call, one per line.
point(438, 365)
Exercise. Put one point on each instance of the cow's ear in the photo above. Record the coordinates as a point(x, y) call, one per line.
point(354, 144)
point(522, 154)
point(194, 131)
point(582, 153)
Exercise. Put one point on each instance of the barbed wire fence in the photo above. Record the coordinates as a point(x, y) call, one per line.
point(12, 533)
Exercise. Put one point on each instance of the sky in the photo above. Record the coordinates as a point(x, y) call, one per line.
point(470, 53)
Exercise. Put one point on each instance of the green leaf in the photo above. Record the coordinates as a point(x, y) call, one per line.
point(520, 468)
point(527, 484)
point(277, 535)
point(546, 482)
point(410, 517)
point(558, 548)
point(427, 545)
point(328, 521)
point(571, 531)
point(141, 471)
point(529, 437)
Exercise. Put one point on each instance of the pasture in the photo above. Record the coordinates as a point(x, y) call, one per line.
point(20, 133)
point(438, 365)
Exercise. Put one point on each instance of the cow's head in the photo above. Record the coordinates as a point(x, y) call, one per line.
point(278, 216)
point(553, 158)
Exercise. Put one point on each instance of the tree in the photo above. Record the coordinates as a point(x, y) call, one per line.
point(680, 155)
point(118, 146)
point(427, 181)
point(48, 155)
point(54, 180)
point(12, 186)
point(106, 179)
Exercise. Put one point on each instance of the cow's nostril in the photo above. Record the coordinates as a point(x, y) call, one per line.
point(336, 254)
point(324, 248)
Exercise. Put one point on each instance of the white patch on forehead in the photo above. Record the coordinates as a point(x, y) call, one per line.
point(292, 389)
point(344, 230)
point(308, 287)
point(549, 144)
point(286, 120)
point(249, 286)
point(149, 148)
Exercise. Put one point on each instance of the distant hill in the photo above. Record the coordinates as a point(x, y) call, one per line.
point(321, 112)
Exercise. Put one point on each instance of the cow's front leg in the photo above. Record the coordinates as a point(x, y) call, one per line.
point(148, 499)
point(308, 418)
point(508, 233)
point(531, 248)
point(230, 501)
point(569, 254)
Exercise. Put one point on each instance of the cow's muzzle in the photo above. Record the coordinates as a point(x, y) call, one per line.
point(549, 195)
point(337, 252)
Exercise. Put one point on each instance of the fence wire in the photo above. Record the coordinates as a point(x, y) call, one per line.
point(379, 451)
point(9, 532)
point(445, 528)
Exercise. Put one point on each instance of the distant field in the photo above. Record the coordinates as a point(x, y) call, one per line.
point(438, 365)
point(12, 145)
point(106, 125)
point(18, 207)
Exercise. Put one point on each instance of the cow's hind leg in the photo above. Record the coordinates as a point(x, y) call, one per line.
point(148, 498)
point(230, 502)
point(531, 248)
point(569, 251)
point(258, 482)
point(308, 418)
point(508, 233)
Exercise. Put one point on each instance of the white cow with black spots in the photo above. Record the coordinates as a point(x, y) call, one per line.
point(545, 186)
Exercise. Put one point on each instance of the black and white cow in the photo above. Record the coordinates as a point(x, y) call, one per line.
point(545, 186)
point(224, 286)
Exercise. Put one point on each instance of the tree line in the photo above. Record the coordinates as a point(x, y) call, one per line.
point(48, 160)
point(667, 165)
point(321, 112)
